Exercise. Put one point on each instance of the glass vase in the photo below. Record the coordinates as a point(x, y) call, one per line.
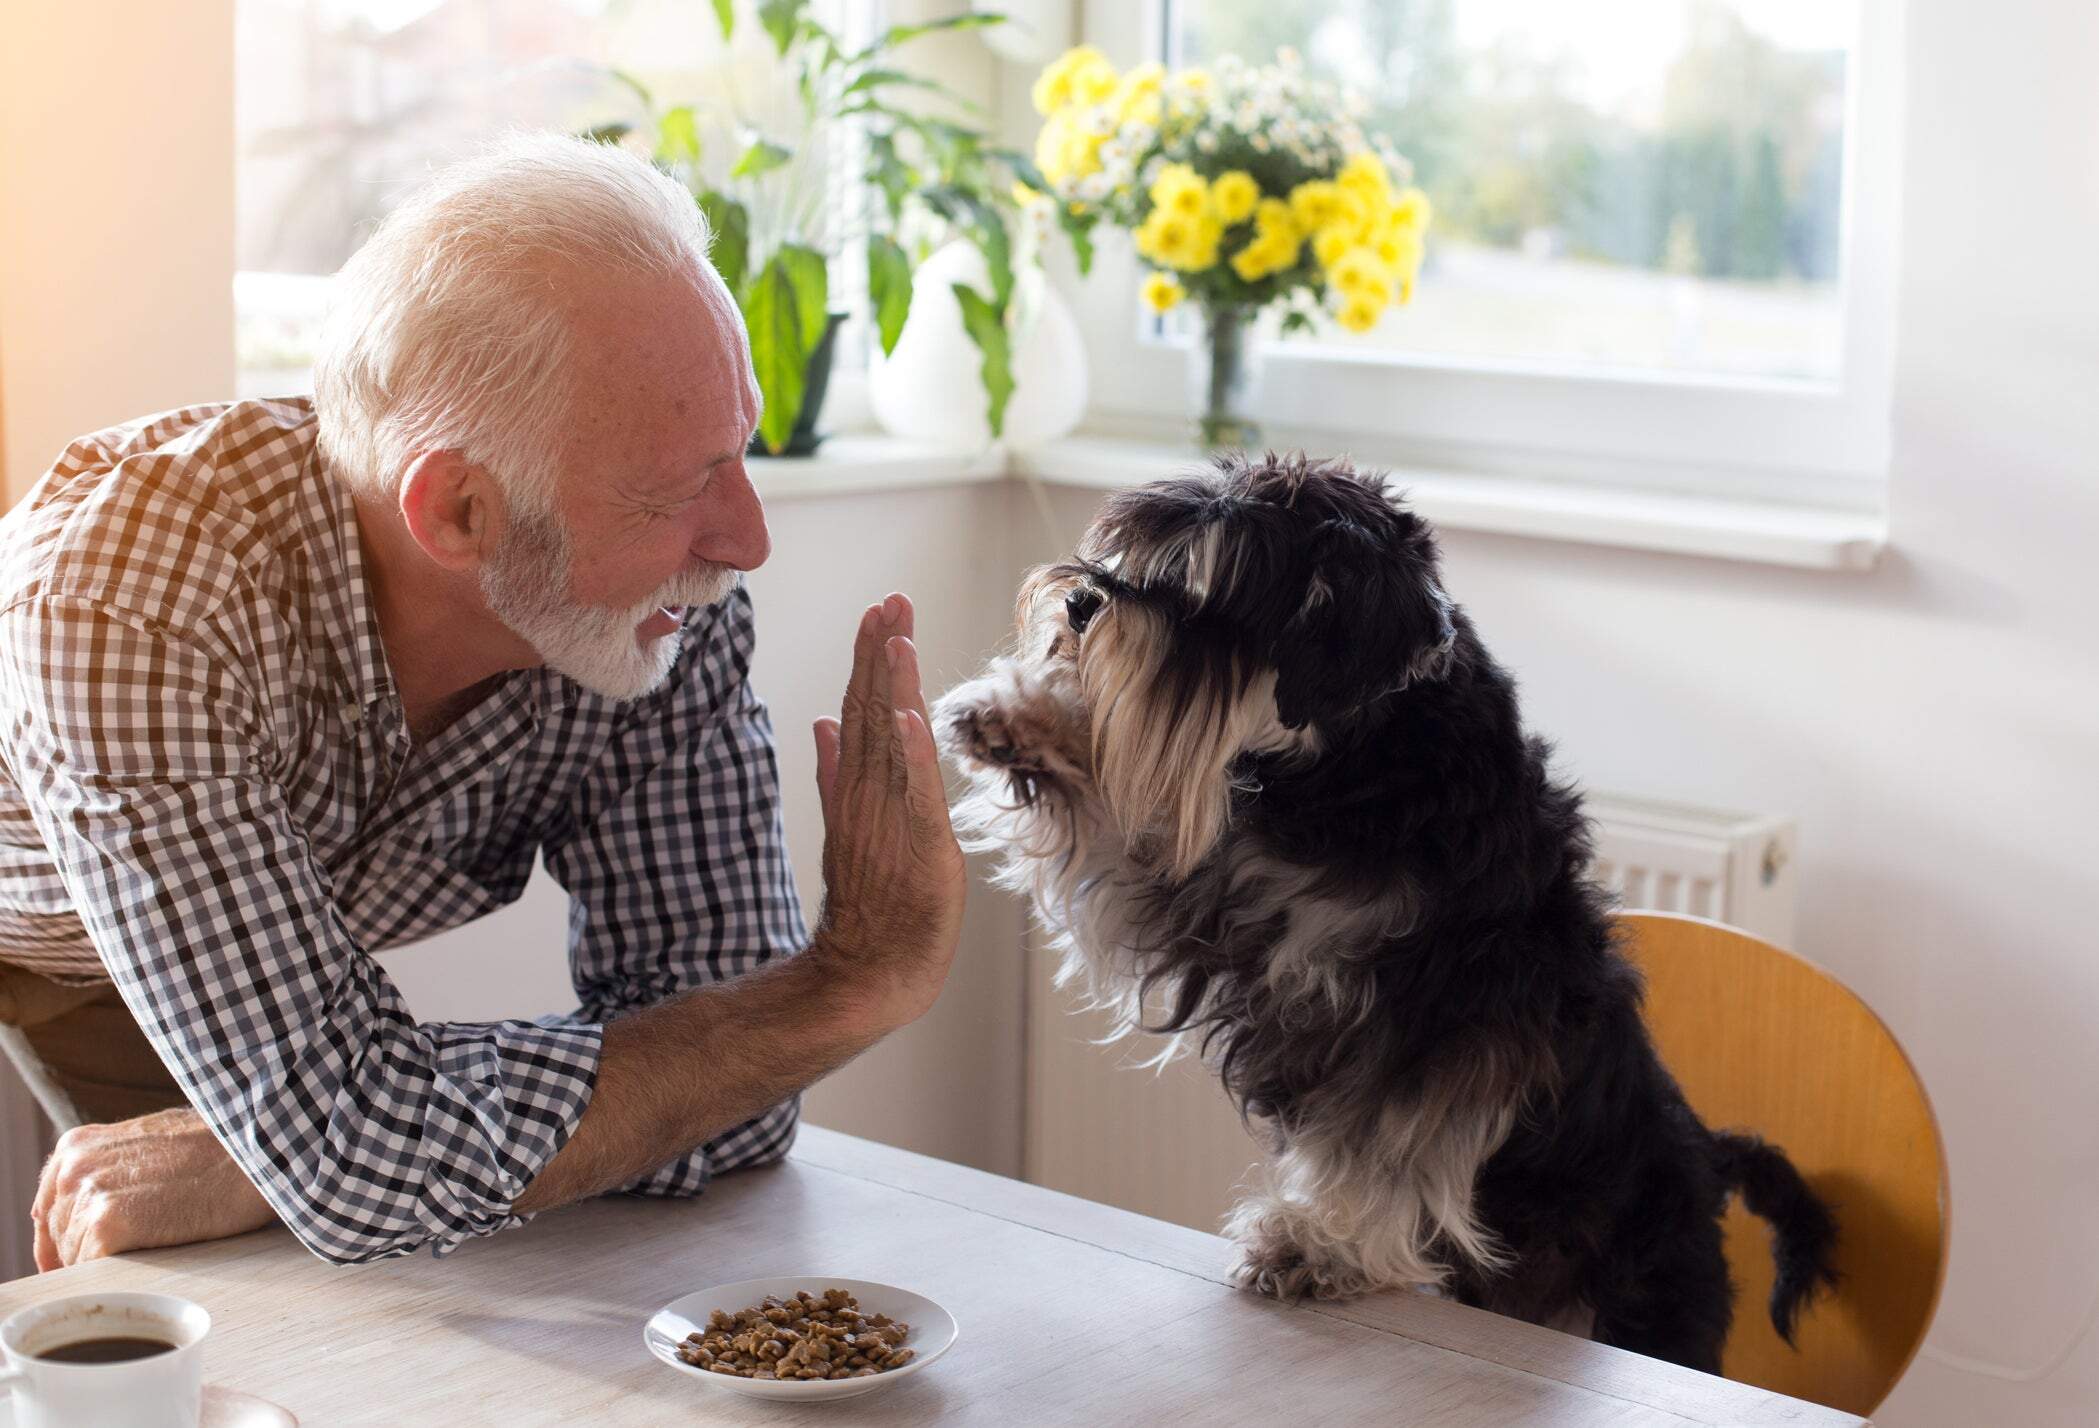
point(1224, 375)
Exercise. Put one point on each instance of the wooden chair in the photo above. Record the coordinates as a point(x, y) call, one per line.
point(1766, 1042)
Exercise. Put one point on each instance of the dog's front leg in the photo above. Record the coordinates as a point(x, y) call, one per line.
point(1285, 1254)
point(1327, 1223)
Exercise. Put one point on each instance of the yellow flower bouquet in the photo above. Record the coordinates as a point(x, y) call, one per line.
point(1244, 187)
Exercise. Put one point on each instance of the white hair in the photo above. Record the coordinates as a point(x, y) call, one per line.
point(448, 330)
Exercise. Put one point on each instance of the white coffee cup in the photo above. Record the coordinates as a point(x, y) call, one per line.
point(162, 1390)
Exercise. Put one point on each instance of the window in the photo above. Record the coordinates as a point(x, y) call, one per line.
point(343, 105)
point(1650, 185)
point(1662, 248)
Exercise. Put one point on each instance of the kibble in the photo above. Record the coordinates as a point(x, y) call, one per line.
point(803, 1337)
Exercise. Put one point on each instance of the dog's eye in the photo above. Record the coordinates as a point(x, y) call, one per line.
point(1080, 607)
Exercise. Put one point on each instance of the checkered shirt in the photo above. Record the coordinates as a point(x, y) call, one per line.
point(209, 795)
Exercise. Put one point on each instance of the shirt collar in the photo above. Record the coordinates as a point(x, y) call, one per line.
point(345, 593)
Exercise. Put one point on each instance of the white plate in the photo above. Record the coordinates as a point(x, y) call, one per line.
point(932, 1332)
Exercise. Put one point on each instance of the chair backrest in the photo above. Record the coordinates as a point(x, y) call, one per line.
point(1764, 1041)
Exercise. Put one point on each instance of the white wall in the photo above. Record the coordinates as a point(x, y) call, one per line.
point(116, 263)
point(116, 217)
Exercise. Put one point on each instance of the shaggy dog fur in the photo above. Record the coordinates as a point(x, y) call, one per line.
point(1262, 782)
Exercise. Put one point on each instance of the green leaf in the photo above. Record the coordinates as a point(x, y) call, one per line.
point(1078, 227)
point(606, 133)
point(829, 55)
point(986, 326)
point(1022, 166)
point(762, 157)
point(678, 135)
point(725, 11)
point(781, 19)
point(969, 20)
point(872, 79)
point(903, 34)
point(998, 252)
point(810, 276)
point(730, 223)
point(987, 229)
point(890, 174)
point(888, 288)
point(648, 100)
point(778, 358)
point(981, 222)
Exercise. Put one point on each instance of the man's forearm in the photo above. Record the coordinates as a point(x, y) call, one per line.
point(678, 1074)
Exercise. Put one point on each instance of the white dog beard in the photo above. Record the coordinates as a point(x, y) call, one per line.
point(527, 585)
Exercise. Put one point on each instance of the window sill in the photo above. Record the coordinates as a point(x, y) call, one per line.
point(1768, 533)
point(868, 463)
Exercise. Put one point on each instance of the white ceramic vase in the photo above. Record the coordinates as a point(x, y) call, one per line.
point(931, 388)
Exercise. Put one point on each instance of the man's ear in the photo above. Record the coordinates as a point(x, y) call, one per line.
point(451, 509)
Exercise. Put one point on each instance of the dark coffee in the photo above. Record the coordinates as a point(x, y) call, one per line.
point(116, 1349)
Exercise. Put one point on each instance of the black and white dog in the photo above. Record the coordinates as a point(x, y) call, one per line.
point(1273, 798)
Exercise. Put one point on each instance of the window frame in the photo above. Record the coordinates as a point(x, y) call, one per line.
point(1823, 444)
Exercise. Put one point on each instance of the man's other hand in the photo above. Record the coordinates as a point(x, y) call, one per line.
point(158, 1180)
point(894, 879)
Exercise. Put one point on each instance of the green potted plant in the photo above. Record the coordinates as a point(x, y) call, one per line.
point(764, 197)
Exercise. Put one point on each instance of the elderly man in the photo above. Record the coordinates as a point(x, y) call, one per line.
point(286, 682)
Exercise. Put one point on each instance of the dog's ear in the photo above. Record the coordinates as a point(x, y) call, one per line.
point(1374, 619)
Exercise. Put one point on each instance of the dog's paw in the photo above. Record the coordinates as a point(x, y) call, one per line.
point(1278, 1272)
point(980, 732)
point(1281, 1271)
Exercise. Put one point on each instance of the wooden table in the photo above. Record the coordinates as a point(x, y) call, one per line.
point(1071, 1313)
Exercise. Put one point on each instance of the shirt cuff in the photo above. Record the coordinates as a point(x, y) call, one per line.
point(507, 1096)
point(760, 1141)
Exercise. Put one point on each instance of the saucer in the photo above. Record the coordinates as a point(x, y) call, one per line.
point(223, 1408)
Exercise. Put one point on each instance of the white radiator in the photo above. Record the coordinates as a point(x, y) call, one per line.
point(1167, 1142)
point(1735, 868)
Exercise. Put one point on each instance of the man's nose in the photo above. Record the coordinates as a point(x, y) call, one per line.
point(735, 533)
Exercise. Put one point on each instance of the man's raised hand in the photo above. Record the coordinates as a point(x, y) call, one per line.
point(894, 879)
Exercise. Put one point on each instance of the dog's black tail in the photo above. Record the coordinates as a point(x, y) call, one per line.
point(1803, 1231)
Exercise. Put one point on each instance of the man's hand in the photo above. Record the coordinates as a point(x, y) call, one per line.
point(894, 879)
point(158, 1180)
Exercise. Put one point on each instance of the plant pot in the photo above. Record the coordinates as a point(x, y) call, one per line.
point(1224, 376)
point(803, 440)
point(931, 387)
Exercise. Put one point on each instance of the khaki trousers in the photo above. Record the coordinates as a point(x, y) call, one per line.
point(89, 1046)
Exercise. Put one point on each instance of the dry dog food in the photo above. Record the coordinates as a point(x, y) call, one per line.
point(808, 1336)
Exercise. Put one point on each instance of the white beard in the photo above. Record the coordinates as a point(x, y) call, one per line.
point(527, 586)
